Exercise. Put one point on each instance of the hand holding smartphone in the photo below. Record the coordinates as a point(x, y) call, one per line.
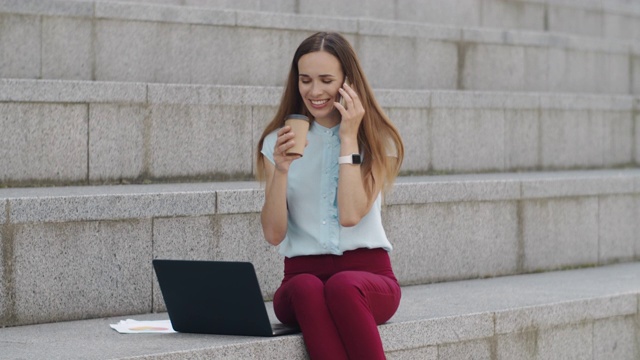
point(340, 98)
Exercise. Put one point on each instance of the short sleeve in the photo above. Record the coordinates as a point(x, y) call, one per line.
point(268, 144)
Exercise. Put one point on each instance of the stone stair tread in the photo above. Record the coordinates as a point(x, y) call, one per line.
point(100, 91)
point(108, 202)
point(164, 188)
point(429, 315)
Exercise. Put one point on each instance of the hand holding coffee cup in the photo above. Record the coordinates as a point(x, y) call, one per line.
point(300, 127)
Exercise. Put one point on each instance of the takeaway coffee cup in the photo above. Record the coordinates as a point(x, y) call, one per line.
point(300, 126)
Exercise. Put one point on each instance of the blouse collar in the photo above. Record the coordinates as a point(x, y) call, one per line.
point(321, 130)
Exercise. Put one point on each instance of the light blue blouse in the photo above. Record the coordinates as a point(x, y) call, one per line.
point(312, 190)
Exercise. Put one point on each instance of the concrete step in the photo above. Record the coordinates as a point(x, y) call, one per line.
point(109, 41)
point(577, 314)
point(80, 252)
point(84, 132)
point(615, 19)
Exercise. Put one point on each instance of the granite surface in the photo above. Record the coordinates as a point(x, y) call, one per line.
point(559, 233)
point(561, 311)
point(36, 148)
point(132, 41)
point(67, 271)
point(442, 228)
point(59, 204)
point(185, 132)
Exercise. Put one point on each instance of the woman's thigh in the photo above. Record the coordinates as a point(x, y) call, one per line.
point(354, 291)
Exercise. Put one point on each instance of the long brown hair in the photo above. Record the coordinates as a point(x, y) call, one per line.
point(378, 138)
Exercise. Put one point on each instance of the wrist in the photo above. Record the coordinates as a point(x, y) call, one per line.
point(280, 172)
point(349, 139)
point(349, 146)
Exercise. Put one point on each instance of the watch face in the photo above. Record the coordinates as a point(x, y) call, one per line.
point(356, 159)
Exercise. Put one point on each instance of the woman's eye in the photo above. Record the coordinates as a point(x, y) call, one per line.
point(305, 81)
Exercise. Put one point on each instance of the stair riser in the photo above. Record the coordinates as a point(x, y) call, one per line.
point(174, 45)
point(611, 19)
point(197, 133)
point(614, 337)
point(72, 269)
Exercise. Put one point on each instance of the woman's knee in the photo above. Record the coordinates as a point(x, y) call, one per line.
point(303, 285)
point(299, 292)
point(343, 286)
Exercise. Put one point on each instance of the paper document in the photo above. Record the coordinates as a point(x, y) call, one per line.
point(131, 326)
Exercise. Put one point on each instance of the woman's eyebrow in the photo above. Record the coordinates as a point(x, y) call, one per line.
point(322, 76)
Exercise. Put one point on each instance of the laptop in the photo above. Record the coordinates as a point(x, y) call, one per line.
point(215, 297)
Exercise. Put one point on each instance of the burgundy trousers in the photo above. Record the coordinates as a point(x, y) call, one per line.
point(338, 301)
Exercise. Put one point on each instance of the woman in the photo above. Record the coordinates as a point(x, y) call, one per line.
point(324, 213)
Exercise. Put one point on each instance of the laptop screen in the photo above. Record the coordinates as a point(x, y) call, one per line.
point(213, 297)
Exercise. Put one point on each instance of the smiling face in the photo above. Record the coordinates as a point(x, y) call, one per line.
point(320, 77)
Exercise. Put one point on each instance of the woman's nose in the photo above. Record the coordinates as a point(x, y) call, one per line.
point(316, 89)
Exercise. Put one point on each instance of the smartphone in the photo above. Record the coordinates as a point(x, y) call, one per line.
point(340, 98)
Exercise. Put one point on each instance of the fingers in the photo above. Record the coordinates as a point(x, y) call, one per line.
point(353, 106)
point(348, 100)
point(284, 142)
point(352, 112)
point(351, 99)
point(349, 90)
point(285, 129)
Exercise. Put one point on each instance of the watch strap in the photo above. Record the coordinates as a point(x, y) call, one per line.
point(350, 159)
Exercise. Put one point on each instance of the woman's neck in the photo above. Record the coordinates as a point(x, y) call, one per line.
point(329, 121)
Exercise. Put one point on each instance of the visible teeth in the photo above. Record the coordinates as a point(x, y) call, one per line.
point(319, 102)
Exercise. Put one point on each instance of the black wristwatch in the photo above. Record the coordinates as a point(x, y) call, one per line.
point(354, 159)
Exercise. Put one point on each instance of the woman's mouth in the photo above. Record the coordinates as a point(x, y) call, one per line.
point(317, 104)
